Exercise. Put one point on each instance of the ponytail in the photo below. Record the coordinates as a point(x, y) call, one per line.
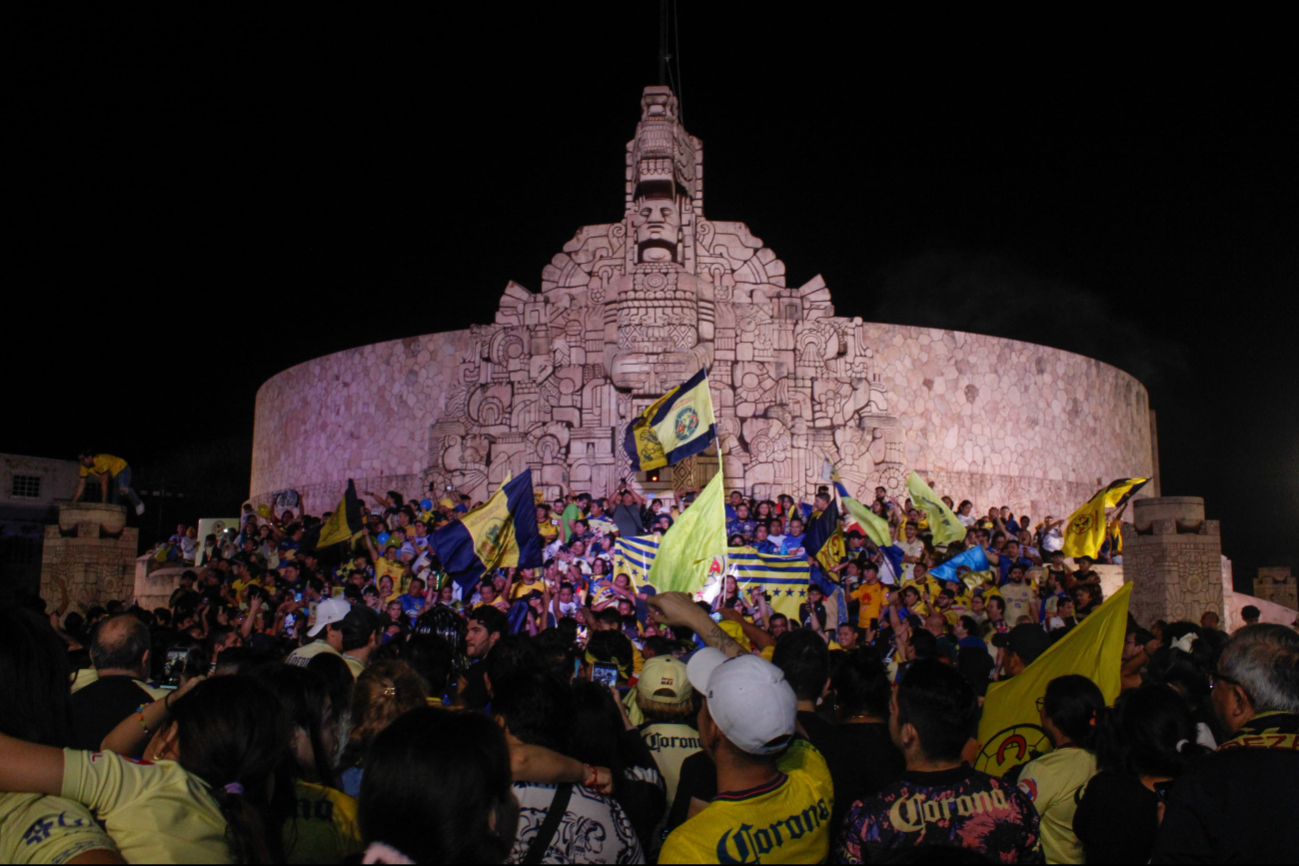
point(234, 736)
point(246, 830)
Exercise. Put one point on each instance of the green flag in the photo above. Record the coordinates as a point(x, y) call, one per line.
point(687, 549)
point(942, 522)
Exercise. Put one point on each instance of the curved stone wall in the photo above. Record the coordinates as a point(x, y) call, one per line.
point(632, 308)
point(993, 420)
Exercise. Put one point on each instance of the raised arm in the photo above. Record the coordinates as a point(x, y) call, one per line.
point(756, 636)
point(676, 609)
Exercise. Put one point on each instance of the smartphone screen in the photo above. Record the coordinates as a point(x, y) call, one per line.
point(174, 667)
point(715, 616)
point(605, 673)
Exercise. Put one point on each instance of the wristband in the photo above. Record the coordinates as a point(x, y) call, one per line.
point(139, 711)
point(591, 777)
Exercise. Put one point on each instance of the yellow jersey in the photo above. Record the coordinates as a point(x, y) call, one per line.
point(784, 821)
point(871, 596)
point(1054, 783)
point(324, 828)
point(155, 813)
point(37, 829)
point(104, 464)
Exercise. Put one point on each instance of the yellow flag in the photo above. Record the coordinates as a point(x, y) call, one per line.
point(1085, 531)
point(1010, 732)
point(687, 550)
point(942, 522)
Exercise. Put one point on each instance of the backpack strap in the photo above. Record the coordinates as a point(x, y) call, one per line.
point(546, 832)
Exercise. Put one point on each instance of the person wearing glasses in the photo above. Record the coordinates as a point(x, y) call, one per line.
point(1237, 804)
point(1069, 711)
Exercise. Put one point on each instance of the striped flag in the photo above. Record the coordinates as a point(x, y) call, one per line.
point(783, 578)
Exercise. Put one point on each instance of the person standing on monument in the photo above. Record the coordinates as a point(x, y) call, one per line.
point(106, 467)
point(627, 511)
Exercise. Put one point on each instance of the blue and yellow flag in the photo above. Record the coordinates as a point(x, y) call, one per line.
point(500, 533)
point(1010, 731)
point(824, 539)
point(784, 578)
point(1085, 531)
point(974, 559)
point(875, 527)
point(342, 525)
point(675, 426)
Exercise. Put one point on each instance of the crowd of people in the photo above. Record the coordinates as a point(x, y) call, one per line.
point(353, 703)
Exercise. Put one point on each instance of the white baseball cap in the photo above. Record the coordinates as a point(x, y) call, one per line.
point(748, 698)
point(329, 611)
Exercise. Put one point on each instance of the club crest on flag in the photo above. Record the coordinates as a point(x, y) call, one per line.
point(687, 422)
point(1011, 747)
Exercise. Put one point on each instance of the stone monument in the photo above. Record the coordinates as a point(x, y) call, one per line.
point(1174, 558)
point(89, 556)
point(631, 308)
point(1277, 585)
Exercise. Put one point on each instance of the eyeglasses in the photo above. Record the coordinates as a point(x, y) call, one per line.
point(1215, 678)
point(1041, 704)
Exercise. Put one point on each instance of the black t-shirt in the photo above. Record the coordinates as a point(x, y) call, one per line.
point(1117, 819)
point(871, 758)
point(101, 706)
point(698, 780)
point(805, 615)
point(641, 794)
point(833, 746)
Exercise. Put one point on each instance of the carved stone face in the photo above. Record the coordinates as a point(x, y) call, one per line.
point(656, 224)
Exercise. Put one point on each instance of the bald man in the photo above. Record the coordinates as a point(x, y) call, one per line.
point(119, 651)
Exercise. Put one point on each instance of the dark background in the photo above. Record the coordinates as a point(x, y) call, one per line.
point(200, 198)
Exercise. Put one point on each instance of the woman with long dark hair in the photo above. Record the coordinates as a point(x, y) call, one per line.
point(1143, 746)
point(601, 737)
point(322, 827)
point(468, 816)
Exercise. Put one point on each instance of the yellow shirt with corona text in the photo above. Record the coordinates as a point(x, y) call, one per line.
point(155, 813)
point(324, 828)
point(37, 829)
point(1054, 783)
point(302, 656)
point(785, 821)
point(104, 464)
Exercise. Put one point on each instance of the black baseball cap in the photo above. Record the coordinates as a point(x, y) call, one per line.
point(1026, 641)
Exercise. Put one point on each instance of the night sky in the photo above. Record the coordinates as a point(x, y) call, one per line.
point(200, 198)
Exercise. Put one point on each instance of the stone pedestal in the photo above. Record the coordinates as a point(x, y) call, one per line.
point(155, 582)
point(1277, 585)
point(1173, 556)
point(88, 556)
